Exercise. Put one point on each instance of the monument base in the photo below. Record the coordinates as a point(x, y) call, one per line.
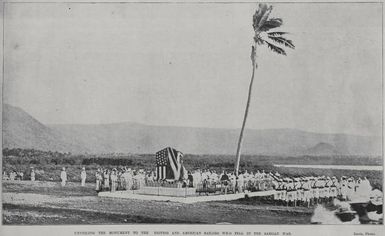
point(183, 199)
point(162, 191)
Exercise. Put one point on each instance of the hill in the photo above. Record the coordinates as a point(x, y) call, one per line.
point(22, 130)
point(322, 149)
point(139, 138)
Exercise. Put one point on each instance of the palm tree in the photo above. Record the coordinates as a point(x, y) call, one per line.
point(274, 40)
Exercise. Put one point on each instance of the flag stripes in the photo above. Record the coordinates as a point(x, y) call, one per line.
point(168, 162)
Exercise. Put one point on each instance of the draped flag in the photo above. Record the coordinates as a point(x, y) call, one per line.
point(168, 164)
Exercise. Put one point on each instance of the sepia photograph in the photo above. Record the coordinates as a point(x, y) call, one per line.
point(225, 113)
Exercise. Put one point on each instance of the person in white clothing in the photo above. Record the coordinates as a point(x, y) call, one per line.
point(32, 175)
point(83, 176)
point(63, 177)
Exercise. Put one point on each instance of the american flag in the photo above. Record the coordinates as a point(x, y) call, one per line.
point(168, 164)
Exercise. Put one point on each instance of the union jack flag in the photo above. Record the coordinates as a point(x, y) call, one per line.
point(168, 164)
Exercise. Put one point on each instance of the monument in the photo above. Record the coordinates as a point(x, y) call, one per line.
point(171, 176)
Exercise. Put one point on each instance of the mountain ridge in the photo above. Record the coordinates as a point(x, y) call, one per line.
point(22, 130)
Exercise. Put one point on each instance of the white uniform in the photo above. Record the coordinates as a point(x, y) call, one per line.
point(240, 183)
point(291, 192)
point(277, 186)
point(63, 177)
point(284, 191)
point(33, 176)
point(334, 188)
point(350, 189)
point(306, 191)
point(83, 176)
point(314, 189)
point(99, 180)
point(114, 179)
point(321, 188)
point(300, 191)
point(344, 189)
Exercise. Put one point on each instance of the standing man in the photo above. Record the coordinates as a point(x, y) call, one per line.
point(306, 192)
point(83, 176)
point(32, 174)
point(63, 177)
point(21, 174)
point(240, 183)
point(99, 180)
point(113, 180)
point(334, 188)
point(344, 188)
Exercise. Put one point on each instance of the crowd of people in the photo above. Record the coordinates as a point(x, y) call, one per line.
point(305, 191)
point(312, 190)
point(13, 175)
point(121, 179)
point(205, 181)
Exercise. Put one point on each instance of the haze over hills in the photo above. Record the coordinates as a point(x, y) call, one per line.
point(22, 130)
point(322, 149)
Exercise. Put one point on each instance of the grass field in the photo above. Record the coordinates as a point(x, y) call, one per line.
point(41, 203)
point(46, 202)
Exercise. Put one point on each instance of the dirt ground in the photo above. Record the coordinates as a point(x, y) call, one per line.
point(47, 203)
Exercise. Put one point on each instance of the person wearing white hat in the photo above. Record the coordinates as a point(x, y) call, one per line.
point(350, 190)
point(83, 176)
point(314, 190)
point(306, 192)
point(320, 187)
point(300, 190)
point(291, 192)
point(284, 190)
point(328, 183)
point(113, 180)
point(129, 179)
point(333, 187)
point(99, 180)
point(63, 177)
point(32, 174)
point(344, 188)
point(276, 186)
point(240, 182)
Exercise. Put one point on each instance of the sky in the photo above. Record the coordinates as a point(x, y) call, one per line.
point(189, 65)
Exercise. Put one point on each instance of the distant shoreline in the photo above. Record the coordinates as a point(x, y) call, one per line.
point(338, 167)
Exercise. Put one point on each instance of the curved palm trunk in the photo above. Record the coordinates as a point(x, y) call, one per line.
point(238, 155)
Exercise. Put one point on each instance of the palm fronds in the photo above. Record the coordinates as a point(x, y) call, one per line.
point(258, 40)
point(262, 24)
point(261, 15)
point(275, 48)
point(288, 43)
point(275, 34)
point(271, 24)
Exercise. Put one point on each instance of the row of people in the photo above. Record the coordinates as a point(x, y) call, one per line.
point(64, 179)
point(13, 175)
point(203, 180)
point(121, 179)
point(228, 182)
point(303, 190)
point(312, 190)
